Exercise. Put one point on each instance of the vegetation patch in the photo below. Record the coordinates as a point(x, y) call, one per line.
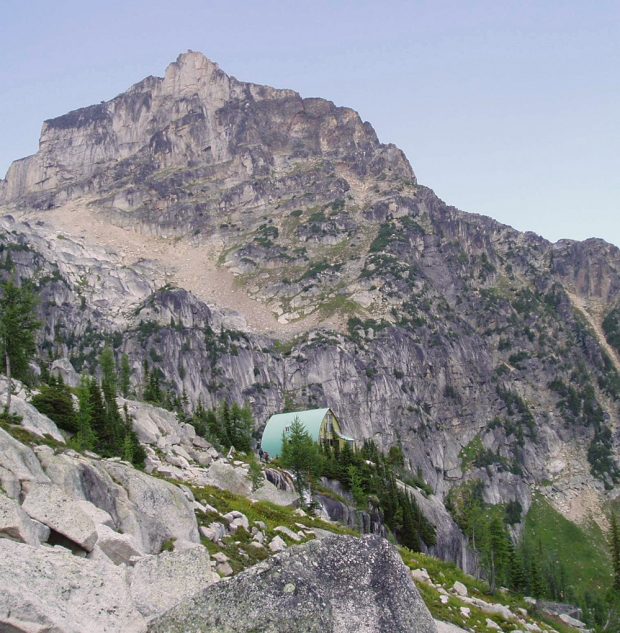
point(569, 563)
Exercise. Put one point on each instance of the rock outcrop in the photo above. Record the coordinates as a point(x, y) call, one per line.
point(335, 585)
point(49, 589)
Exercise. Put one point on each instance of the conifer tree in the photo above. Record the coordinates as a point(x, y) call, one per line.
point(125, 377)
point(108, 375)
point(55, 401)
point(85, 438)
point(301, 455)
point(18, 326)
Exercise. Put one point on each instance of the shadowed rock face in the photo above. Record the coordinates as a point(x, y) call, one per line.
point(337, 585)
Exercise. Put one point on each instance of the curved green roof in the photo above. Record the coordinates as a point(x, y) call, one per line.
point(272, 435)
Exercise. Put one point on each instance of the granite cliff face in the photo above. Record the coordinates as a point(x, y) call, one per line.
point(253, 245)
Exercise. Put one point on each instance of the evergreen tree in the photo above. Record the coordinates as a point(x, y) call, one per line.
point(133, 451)
point(108, 375)
point(301, 455)
point(499, 552)
point(152, 392)
point(125, 377)
point(128, 449)
point(240, 428)
point(517, 571)
point(18, 326)
point(85, 438)
point(97, 414)
point(54, 400)
point(255, 473)
point(537, 585)
point(213, 426)
point(356, 485)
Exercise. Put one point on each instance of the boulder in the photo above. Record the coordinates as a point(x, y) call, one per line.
point(119, 548)
point(225, 476)
point(49, 589)
point(236, 520)
point(49, 505)
point(574, 622)
point(337, 585)
point(421, 575)
point(18, 466)
point(288, 532)
point(214, 531)
point(31, 419)
point(459, 588)
point(269, 492)
point(447, 627)
point(152, 424)
point(277, 544)
point(15, 523)
point(153, 510)
point(224, 569)
point(160, 582)
point(492, 608)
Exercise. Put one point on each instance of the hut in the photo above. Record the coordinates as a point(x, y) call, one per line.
point(321, 424)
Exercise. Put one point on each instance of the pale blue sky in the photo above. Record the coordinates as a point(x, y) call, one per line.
point(506, 108)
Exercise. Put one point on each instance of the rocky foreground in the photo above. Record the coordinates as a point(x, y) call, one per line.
point(94, 544)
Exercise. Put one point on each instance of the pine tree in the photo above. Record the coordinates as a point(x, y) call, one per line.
point(85, 438)
point(255, 473)
point(55, 401)
point(108, 375)
point(301, 455)
point(517, 571)
point(133, 451)
point(240, 427)
point(152, 392)
point(18, 326)
point(125, 377)
point(97, 415)
point(128, 449)
point(356, 485)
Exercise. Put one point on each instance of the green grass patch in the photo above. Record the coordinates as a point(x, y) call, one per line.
point(339, 305)
point(581, 550)
point(11, 425)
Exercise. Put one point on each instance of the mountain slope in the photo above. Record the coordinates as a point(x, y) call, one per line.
point(449, 333)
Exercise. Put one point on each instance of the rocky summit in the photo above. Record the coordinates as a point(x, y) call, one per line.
point(252, 246)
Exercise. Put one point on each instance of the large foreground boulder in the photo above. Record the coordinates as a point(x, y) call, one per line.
point(148, 509)
point(49, 589)
point(48, 504)
point(19, 466)
point(15, 523)
point(160, 582)
point(337, 585)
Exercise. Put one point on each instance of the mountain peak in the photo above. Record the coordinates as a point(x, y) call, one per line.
point(191, 71)
point(193, 62)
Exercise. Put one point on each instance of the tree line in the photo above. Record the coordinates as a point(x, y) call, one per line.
point(370, 476)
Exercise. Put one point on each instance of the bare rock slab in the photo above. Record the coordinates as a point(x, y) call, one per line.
point(49, 589)
point(48, 504)
point(337, 585)
point(15, 523)
point(160, 582)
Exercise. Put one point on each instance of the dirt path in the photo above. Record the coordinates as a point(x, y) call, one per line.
point(186, 264)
